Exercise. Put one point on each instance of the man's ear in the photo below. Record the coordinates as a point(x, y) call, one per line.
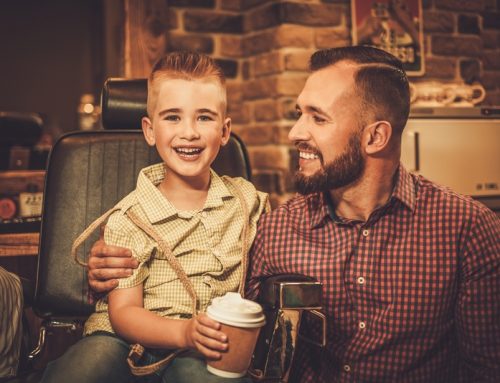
point(226, 131)
point(147, 129)
point(378, 136)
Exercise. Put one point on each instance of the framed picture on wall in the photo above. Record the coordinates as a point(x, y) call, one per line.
point(394, 26)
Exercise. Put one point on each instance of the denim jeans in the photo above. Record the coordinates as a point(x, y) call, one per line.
point(101, 358)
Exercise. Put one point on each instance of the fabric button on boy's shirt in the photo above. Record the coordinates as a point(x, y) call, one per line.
point(190, 241)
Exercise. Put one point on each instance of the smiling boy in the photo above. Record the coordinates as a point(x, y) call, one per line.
point(186, 227)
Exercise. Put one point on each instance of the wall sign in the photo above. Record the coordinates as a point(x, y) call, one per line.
point(394, 26)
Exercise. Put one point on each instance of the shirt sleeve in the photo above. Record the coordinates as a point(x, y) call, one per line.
point(478, 306)
point(119, 231)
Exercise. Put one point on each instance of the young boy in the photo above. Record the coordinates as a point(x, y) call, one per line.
point(181, 218)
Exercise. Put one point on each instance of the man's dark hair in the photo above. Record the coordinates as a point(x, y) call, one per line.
point(380, 82)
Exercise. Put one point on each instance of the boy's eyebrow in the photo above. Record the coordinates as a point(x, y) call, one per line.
point(171, 110)
point(206, 110)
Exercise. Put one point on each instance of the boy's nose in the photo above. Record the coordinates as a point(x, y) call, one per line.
point(189, 130)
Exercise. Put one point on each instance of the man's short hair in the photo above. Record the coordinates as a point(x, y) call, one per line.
point(380, 82)
point(185, 66)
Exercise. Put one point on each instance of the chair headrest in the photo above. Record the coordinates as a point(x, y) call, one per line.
point(123, 103)
point(22, 129)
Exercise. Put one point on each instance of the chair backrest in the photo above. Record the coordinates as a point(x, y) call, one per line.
point(88, 172)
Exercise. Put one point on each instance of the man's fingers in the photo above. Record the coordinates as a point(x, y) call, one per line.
point(102, 274)
point(100, 249)
point(103, 287)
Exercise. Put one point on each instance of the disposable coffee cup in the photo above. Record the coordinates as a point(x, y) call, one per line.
point(241, 320)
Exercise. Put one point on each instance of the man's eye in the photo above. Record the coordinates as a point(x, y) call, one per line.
point(298, 113)
point(172, 117)
point(318, 119)
point(205, 117)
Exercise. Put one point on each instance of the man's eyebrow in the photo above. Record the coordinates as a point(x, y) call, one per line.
point(311, 108)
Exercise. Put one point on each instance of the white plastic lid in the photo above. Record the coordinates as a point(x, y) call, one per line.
point(233, 310)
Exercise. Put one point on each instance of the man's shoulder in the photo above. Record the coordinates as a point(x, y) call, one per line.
point(296, 208)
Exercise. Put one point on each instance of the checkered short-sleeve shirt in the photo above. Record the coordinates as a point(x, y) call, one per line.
point(207, 243)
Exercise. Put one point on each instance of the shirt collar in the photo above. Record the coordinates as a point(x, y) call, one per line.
point(158, 208)
point(404, 191)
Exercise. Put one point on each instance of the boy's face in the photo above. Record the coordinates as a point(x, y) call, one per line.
point(188, 125)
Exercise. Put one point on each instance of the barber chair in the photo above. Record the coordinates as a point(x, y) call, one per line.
point(88, 172)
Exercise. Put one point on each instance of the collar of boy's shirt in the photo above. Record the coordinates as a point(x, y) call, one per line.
point(158, 208)
point(404, 191)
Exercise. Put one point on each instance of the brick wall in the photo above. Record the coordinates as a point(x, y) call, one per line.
point(263, 47)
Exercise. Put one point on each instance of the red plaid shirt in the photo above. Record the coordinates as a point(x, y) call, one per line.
point(411, 295)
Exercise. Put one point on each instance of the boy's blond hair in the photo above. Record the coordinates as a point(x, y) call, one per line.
point(186, 66)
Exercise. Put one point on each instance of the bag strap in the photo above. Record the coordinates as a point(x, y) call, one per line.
point(135, 354)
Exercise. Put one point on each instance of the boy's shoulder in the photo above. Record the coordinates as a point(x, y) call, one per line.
point(252, 196)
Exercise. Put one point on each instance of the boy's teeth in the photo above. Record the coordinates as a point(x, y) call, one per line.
point(188, 150)
point(308, 156)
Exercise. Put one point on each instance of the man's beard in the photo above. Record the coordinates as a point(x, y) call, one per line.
point(342, 171)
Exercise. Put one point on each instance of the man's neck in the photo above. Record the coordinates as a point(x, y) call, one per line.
point(371, 191)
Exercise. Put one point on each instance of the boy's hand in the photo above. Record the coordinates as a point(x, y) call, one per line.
point(106, 263)
point(203, 335)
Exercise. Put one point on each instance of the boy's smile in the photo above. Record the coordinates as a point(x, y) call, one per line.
point(188, 127)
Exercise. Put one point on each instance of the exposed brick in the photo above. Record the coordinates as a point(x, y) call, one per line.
point(247, 4)
point(441, 67)
point(291, 84)
point(287, 108)
point(232, 5)
point(263, 17)
point(263, 87)
point(491, 60)
point(491, 39)
point(490, 79)
point(293, 36)
point(468, 24)
point(298, 60)
point(491, 20)
point(311, 14)
point(229, 67)
point(456, 46)
point(261, 134)
point(462, 5)
point(470, 70)
point(258, 43)
point(332, 38)
point(268, 63)
point(240, 113)
point(269, 157)
point(234, 92)
point(192, 3)
point(440, 22)
point(231, 46)
point(492, 99)
point(173, 23)
point(206, 21)
point(245, 70)
point(283, 136)
point(269, 181)
point(266, 110)
point(202, 44)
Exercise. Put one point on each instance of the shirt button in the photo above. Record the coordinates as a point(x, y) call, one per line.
point(366, 232)
point(362, 325)
point(216, 252)
point(361, 280)
point(347, 368)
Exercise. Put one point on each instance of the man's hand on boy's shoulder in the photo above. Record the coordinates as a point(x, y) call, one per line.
point(108, 263)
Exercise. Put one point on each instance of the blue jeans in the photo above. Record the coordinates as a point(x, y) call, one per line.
point(101, 358)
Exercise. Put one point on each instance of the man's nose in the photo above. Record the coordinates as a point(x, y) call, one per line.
point(299, 131)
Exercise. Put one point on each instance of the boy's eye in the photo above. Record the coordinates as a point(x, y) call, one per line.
point(172, 117)
point(205, 117)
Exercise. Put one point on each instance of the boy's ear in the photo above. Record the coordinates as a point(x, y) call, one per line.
point(378, 136)
point(226, 131)
point(147, 129)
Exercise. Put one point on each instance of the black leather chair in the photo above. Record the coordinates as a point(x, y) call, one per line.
point(87, 173)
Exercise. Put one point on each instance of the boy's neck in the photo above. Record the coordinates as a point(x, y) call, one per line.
point(185, 193)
